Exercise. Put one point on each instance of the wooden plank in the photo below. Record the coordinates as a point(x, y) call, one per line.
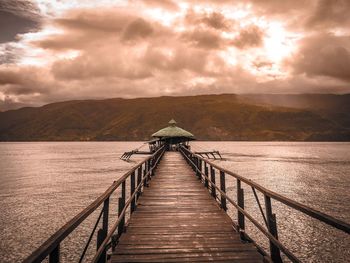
point(188, 247)
point(190, 257)
point(176, 220)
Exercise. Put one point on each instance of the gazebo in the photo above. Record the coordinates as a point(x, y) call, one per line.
point(173, 135)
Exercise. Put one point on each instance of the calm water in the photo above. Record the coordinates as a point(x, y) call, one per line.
point(43, 185)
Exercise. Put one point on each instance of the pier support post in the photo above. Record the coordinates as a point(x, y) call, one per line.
point(121, 205)
point(212, 179)
point(223, 188)
point(132, 190)
point(139, 176)
point(272, 226)
point(102, 233)
point(240, 202)
point(200, 169)
point(145, 174)
point(105, 215)
point(100, 238)
point(54, 256)
point(193, 161)
point(206, 171)
point(149, 165)
point(197, 167)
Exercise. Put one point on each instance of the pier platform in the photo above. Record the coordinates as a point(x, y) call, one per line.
point(177, 220)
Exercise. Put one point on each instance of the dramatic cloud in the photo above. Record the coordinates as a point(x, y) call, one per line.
point(23, 80)
point(249, 37)
point(324, 55)
point(217, 21)
point(330, 13)
point(17, 17)
point(214, 20)
point(138, 28)
point(60, 50)
point(207, 39)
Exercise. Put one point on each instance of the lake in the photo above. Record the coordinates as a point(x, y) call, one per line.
point(44, 184)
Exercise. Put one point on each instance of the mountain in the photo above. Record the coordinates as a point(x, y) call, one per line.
point(209, 117)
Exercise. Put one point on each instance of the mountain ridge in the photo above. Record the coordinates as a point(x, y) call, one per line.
point(256, 117)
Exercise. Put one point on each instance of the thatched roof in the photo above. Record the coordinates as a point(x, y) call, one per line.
point(173, 131)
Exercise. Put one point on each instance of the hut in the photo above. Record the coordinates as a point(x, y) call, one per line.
point(172, 136)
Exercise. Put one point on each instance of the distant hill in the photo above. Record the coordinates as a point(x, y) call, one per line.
point(209, 117)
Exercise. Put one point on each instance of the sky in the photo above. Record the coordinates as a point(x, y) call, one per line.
point(57, 50)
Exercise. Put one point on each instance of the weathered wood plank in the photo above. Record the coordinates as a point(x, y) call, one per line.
point(176, 220)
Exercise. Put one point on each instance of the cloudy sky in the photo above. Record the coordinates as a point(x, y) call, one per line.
point(54, 50)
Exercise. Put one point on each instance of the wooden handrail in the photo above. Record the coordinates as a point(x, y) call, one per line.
point(114, 227)
point(53, 242)
point(271, 233)
point(272, 239)
point(285, 200)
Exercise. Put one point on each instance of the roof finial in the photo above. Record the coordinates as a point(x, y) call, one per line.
point(172, 122)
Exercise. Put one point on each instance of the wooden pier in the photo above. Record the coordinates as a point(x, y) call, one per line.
point(178, 213)
point(177, 220)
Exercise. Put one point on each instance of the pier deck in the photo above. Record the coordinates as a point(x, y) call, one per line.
point(177, 220)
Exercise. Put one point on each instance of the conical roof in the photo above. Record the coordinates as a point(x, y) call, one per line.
point(173, 131)
point(172, 122)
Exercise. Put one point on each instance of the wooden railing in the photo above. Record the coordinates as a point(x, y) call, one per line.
point(138, 176)
point(205, 171)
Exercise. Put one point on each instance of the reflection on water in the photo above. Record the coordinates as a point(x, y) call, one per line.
point(43, 185)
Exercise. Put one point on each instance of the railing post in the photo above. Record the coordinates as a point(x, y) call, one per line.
point(144, 174)
point(191, 161)
point(199, 169)
point(105, 215)
point(102, 233)
point(212, 179)
point(223, 188)
point(206, 171)
point(194, 160)
point(272, 226)
point(240, 202)
point(121, 205)
point(132, 190)
point(139, 177)
point(149, 164)
point(54, 256)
